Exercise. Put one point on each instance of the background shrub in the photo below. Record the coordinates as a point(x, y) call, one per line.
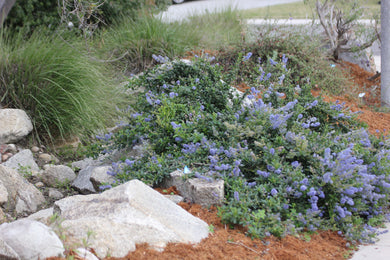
point(29, 14)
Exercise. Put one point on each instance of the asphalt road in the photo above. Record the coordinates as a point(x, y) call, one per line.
point(188, 8)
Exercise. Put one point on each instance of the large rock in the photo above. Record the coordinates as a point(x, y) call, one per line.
point(23, 161)
point(31, 239)
point(14, 125)
point(23, 197)
point(126, 215)
point(57, 174)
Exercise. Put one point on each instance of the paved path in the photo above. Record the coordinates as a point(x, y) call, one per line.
point(378, 251)
point(181, 11)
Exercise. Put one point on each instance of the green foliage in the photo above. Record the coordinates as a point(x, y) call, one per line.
point(63, 91)
point(30, 14)
point(291, 162)
point(307, 61)
point(137, 39)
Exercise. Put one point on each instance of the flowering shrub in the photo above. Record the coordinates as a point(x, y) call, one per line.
point(290, 161)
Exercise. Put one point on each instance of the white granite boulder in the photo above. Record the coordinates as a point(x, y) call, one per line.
point(126, 215)
point(31, 240)
point(14, 125)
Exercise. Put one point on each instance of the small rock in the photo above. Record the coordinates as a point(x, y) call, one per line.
point(35, 149)
point(23, 160)
point(12, 148)
point(45, 157)
point(85, 254)
point(6, 156)
point(57, 174)
point(3, 148)
point(99, 176)
point(83, 183)
point(55, 194)
point(39, 184)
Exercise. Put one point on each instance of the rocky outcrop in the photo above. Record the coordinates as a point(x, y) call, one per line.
point(126, 215)
point(14, 125)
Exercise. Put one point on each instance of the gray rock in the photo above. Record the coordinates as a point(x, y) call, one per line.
point(82, 183)
point(206, 193)
point(39, 184)
point(35, 149)
point(14, 125)
point(45, 157)
point(57, 174)
point(99, 176)
point(55, 194)
point(85, 163)
point(128, 214)
point(22, 195)
point(6, 252)
point(22, 161)
point(197, 190)
point(42, 216)
point(3, 194)
point(31, 239)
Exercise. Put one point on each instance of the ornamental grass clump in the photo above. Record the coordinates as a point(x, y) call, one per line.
point(63, 90)
point(291, 162)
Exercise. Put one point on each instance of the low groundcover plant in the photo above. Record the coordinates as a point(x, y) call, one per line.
point(290, 161)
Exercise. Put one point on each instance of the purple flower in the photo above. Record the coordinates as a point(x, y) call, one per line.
point(263, 173)
point(173, 94)
point(312, 192)
point(129, 163)
point(284, 58)
point(273, 63)
point(274, 192)
point(251, 184)
point(327, 177)
point(236, 196)
point(174, 125)
point(247, 56)
point(295, 164)
point(303, 188)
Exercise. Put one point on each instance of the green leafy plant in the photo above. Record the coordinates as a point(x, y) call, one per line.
point(291, 162)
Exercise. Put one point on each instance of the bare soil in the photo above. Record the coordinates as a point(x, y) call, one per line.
point(232, 243)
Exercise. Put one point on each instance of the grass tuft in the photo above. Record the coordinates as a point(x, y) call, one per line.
point(62, 90)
